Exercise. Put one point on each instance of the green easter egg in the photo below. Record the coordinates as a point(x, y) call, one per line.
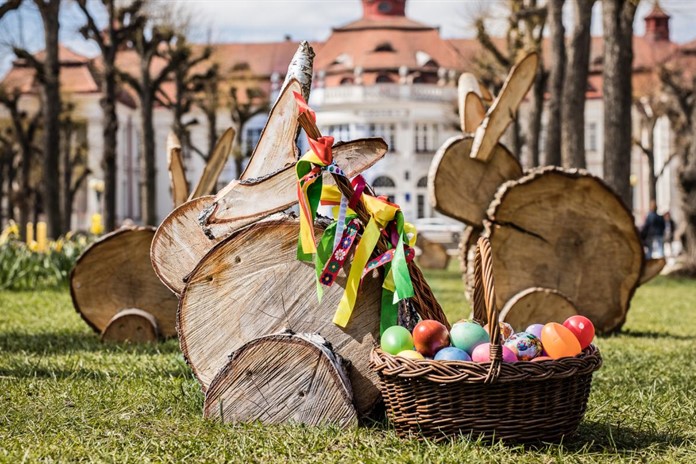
point(468, 335)
point(396, 339)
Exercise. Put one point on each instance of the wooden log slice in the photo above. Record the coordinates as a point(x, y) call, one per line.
point(283, 378)
point(432, 255)
point(131, 325)
point(467, 252)
point(115, 273)
point(537, 306)
point(179, 243)
point(568, 231)
point(251, 284)
point(462, 187)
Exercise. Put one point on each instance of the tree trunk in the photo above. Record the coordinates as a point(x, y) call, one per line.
point(618, 59)
point(552, 150)
point(687, 183)
point(212, 130)
point(50, 91)
point(534, 122)
point(573, 107)
point(66, 198)
point(110, 131)
point(148, 172)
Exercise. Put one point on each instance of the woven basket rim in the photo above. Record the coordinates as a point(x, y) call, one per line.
point(474, 372)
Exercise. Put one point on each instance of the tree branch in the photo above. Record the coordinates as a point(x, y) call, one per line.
point(130, 80)
point(488, 44)
point(8, 6)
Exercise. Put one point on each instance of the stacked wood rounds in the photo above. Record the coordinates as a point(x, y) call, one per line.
point(114, 274)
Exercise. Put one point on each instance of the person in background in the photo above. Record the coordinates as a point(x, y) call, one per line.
point(671, 249)
point(653, 233)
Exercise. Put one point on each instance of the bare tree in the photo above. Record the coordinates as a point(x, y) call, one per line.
point(188, 81)
point(47, 73)
point(121, 23)
point(526, 22)
point(8, 6)
point(617, 71)
point(575, 88)
point(74, 168)
point(147, 40)
point(208, 100)
point(682, 115)
point(552, 150)
point(24, 131)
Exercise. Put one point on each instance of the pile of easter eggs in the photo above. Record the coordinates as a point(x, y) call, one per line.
point(469, 341)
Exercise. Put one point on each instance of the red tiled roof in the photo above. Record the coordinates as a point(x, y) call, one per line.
point(65, 56)
point(384, 22)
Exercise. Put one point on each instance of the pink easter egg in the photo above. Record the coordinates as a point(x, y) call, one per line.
point(482, 354)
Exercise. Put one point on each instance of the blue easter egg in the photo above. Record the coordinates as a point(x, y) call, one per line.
point(452, 354)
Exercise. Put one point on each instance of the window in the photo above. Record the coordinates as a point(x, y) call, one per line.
point(346, 81)
point(591, 136)
point(426, 136)
point(251, 138)
point(420, 205)
point(422, 182)
point(384, 78)
point(385, 47)
point(338, 132)
point(383, 181)
point(385, 131)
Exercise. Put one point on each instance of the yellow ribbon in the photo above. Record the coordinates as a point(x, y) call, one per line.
point(381, 213)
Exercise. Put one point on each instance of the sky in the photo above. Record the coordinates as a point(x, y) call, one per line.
point(272, 20)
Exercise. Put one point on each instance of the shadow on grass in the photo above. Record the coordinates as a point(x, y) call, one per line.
point(48, 343)
point(651, 334)
point(598, 437)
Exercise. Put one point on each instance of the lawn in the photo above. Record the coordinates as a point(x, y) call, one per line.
point(67, 397)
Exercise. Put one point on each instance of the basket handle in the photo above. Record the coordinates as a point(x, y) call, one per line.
point(485, 308)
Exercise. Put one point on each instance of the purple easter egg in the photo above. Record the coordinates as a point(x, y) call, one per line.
point(535, 329)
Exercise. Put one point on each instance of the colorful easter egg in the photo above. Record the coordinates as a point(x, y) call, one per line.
point(396, 339)
point(482, 354)
point(582, 328)
point(506, 330)
point(429, 337)
point(535, 329)
point(410, 354)
point(525, 345)
point(452, 353)
point(558, 341)
point(467, 336)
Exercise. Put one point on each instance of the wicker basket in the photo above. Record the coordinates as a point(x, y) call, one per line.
point(521, 402)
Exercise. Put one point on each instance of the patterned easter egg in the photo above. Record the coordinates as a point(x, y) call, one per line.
point(525, 345)
point(506, 330)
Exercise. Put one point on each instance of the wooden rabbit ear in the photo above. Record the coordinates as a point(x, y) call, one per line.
point(471, 110)
point(214, 166)
point(504, 108)
point(177, 172)
point(241, 203)
point(652, 269)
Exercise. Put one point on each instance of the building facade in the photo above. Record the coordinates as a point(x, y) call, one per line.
point(384, 75)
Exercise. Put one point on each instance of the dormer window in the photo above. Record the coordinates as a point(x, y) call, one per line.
point(385, 47)
point(384, 7)
point(384, 78)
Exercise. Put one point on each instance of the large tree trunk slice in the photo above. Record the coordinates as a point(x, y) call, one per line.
point(537, 306)
point(179, 243)
point(503, 110)
point(251, 284)
point(131, 325)
point(462, 187)
point(280, 379)
point(115, 273)
point(241, 203)
point(568, 231)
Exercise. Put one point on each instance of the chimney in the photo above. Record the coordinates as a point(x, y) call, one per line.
point(657, 24)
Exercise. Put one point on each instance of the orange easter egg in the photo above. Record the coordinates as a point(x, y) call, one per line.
point(558, 341)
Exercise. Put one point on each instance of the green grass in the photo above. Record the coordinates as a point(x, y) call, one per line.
point(67, 397)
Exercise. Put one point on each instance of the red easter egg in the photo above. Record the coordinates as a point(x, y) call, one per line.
point(558, 341)
point(541, 358)
point(582, 328)
point(430, 336)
